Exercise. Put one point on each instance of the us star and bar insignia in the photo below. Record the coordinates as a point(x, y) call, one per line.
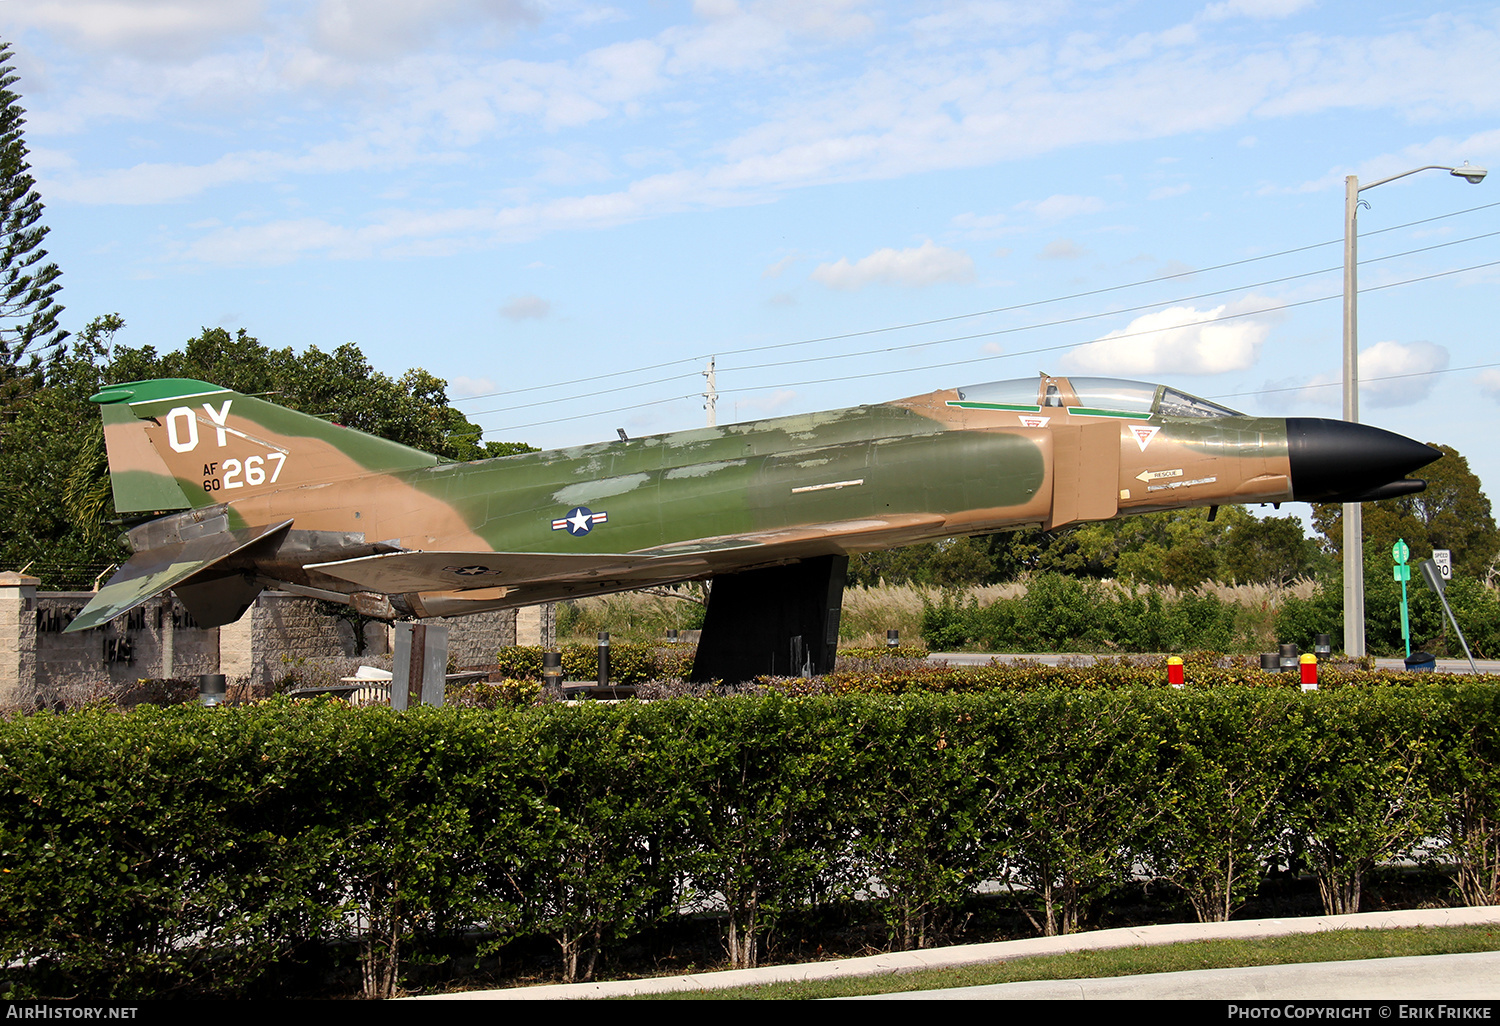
point(579, 521)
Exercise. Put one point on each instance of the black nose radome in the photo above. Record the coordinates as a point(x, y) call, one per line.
point(1336, 461)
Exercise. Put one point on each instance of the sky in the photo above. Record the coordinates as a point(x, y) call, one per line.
point(566, 208)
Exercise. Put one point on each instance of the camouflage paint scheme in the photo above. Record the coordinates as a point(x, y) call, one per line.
point(275, 498)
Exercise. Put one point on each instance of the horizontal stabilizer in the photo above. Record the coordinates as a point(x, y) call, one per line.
point(149, 573)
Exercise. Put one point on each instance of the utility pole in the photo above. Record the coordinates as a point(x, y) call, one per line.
point(711, 395)
point(1354, 538)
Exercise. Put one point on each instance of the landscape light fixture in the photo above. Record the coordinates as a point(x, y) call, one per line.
point(1354, 548)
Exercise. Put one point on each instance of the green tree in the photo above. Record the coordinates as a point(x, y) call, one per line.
point(1451, 513)
point(28, 287)
point(341, 386)
point(55, 497)
point(1182, 548)
point(1267, 550)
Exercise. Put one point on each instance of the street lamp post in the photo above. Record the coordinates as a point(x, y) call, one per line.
point(1354, 545)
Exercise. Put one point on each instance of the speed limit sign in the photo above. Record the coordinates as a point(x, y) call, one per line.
point(1444, 560)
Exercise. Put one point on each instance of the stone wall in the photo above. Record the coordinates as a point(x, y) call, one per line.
point(279, 633)
point(17, 640)
point(154, 640)
point(475, 640)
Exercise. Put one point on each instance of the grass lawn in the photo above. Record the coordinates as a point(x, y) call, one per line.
point(1333, 946)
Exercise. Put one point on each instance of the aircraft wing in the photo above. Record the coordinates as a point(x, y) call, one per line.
point(149, 573)
point(393, 573)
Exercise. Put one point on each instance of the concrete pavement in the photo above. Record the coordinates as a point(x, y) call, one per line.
point(1467, 977)
point(1325, 980)
point(1056, 658)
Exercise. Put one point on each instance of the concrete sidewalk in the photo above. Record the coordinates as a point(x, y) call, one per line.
point(1456, 978)
point(1350, 979)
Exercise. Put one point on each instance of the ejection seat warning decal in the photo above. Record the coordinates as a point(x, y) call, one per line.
point(1143, 434)
point(579, 521)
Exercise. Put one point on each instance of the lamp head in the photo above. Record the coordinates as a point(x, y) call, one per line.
point(1469, 173)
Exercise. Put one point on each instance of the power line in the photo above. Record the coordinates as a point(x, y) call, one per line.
point(986, 334)
point(977, 313)
point(1103, 314)
point(1362, 380)
point(1028, 352)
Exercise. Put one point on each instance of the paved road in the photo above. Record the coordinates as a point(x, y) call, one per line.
point(1433, 977)
point(1055, 658)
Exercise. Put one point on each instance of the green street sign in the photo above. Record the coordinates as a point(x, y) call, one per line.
point(1400, 553)
point(1403, 573)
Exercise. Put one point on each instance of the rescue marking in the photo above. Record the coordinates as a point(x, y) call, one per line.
point(824, 487)
point(579, 521)
point(1181, 484)
point(1035, 422)
point(1157, 475)
point(1143, 434)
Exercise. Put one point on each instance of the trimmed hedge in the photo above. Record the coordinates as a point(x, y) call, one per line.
point(187, 851)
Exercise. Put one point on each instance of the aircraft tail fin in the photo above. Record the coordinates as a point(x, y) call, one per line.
point(176, 443)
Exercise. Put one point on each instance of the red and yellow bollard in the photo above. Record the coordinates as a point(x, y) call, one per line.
point(1309, 665)
point(1174, 671)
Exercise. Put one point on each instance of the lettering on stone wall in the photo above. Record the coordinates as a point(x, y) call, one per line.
point(52, 619)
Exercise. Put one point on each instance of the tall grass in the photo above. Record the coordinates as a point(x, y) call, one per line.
point(645, 616)
point(638, 616)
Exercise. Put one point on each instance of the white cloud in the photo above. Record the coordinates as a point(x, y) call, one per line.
point(1298, 394)
point(732, 36)
point(1254, 9)
point(1062, 249)
point(1407, 368)
point(1489, 383)
point(1480, 148)
point(164, 183)
point(376, 29)
point(1177, 340)
point(1057, 208)
point(763, 404)
point(521, 308)
point(1168, 191)
point(982, 226)
point(927, 264)
point(746, 101)
point(142, 28)
point(461, 387)
point(779, 267)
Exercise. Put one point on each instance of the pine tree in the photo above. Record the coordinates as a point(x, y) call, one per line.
point(28, 287)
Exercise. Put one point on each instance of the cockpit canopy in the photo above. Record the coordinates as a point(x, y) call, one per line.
point(1086, 395)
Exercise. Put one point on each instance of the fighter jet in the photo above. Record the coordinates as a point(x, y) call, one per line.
point(258, 496)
